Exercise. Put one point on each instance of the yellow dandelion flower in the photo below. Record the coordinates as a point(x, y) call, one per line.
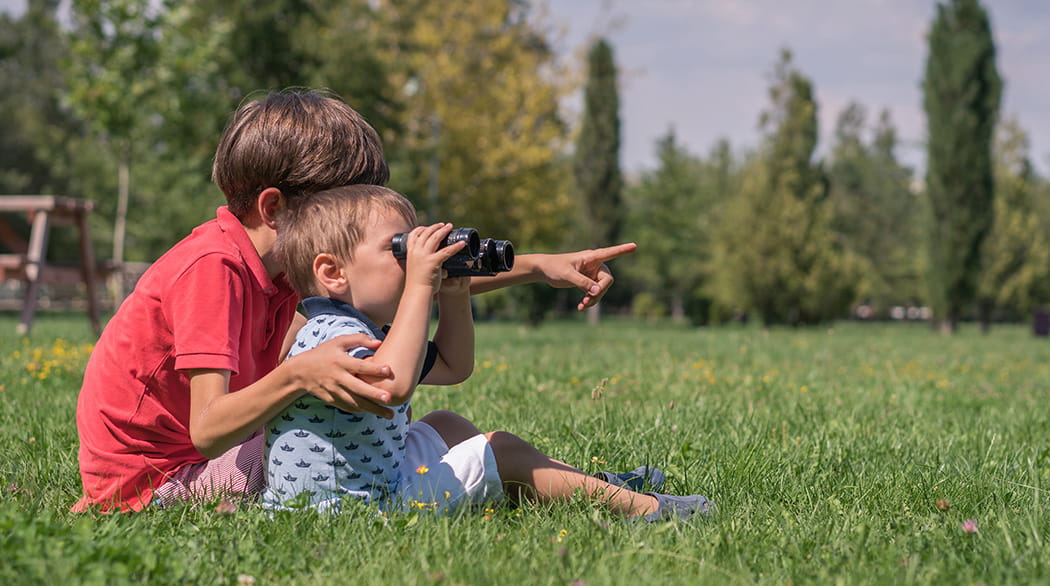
point(422, 469)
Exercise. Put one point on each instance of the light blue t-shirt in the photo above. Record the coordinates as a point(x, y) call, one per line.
point(317, 453)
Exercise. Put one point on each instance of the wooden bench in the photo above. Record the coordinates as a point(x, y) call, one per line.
point(27, 261)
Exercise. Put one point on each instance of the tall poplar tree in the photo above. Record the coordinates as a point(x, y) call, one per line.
point(596, 166)
point(774, 250)
point(1015, 260)
point(961, 94)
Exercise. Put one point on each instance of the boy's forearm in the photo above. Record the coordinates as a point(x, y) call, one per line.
point(404, 348)
point(525, 270)
point(220, 420)
point(454, 337)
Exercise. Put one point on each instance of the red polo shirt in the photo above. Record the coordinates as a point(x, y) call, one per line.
point(207, 303)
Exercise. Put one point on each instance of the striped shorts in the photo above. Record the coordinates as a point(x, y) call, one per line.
point(238, 473)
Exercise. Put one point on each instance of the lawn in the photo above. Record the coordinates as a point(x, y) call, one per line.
point(863, 454)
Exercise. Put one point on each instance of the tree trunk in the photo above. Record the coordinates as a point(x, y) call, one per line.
point(950, 323)
point(677, 307)
point(594, 314)
point(984, 311)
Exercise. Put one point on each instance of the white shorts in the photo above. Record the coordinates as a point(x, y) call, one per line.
point(439, 478)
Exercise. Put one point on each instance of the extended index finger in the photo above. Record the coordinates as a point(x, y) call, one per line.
point(615, 251)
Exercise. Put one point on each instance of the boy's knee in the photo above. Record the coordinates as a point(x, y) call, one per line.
point(503, 442)
point(451, 426)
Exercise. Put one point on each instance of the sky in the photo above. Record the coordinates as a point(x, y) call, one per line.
point(701, 67)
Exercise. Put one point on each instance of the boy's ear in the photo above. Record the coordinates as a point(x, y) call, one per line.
point(329, 273)
point(269, 204)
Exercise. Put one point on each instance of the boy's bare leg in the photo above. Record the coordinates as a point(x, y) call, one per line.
point(529, 474)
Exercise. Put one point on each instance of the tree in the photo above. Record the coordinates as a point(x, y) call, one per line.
point(480, 136)
point(1016, 253)
point(666, 212)
point(596, 165)
point(961, 94)
point(774, 250)
point(113, 71)
point(142, 76)
point(34, 157)
point(596, 162)
point(874, 207)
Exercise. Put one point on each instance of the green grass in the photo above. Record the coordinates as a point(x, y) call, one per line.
point(826, 452)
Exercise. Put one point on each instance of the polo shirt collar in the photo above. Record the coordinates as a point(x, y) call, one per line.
point(316, 306)
point(235, 232)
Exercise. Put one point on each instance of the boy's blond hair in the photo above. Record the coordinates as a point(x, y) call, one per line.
point(299, 141)
point(331, 221)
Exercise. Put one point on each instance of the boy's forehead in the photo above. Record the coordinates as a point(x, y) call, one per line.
point(384, 220)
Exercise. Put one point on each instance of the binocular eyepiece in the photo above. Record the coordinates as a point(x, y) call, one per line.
point(480, 257)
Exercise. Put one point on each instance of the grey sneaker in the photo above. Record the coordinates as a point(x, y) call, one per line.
point(677, 507)
point(636, 479)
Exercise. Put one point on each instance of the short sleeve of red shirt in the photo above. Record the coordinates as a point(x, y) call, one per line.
point(206, 304)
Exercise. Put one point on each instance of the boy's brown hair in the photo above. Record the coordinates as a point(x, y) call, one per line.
point(299, 141)
point(331, 221)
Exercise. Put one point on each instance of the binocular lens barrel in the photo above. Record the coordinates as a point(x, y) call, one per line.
point(399, 243)
point(498, 255)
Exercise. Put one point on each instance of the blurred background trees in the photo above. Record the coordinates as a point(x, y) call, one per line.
point(124, 100)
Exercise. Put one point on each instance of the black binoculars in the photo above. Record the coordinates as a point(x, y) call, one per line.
point(479, 258)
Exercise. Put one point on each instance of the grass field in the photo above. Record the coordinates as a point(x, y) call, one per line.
point(858, 454)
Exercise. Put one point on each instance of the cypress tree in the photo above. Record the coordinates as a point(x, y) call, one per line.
point(596, 166)
point(962, 90)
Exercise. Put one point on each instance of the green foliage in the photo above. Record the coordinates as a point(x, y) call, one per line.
point(774, 248)
point(481, 137)
point(672, 211)
point(961, 95)
point(1016, 253)
point(140, 75)
point(826, 452)
point(596, 163)
point(874, 209)
point(33, 157)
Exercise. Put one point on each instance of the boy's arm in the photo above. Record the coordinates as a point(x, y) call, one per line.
point(584, 270)
point(454, 337)
point(220, 419)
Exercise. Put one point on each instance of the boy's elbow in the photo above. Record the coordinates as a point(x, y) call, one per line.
point(398, 395)
point(208, 448)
